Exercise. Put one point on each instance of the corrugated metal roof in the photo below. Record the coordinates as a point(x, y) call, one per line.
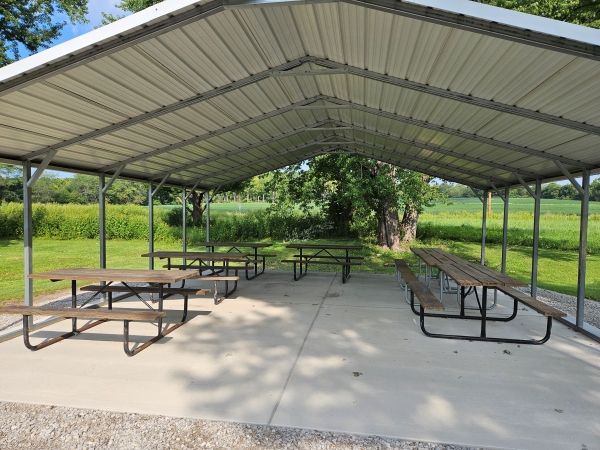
point(217, 91)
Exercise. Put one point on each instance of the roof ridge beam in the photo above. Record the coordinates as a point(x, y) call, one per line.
point(461, 134)
point(464, 98)
point(438, 149)
point(165, 109)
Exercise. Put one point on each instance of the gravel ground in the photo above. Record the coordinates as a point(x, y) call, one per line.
point(37, 427)
point(568, 304)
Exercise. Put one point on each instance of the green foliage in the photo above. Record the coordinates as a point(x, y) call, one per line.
point(30, 23)
point(82, 222)
point(582, 12)
point(132, 6)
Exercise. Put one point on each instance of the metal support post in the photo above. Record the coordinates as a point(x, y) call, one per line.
point(208, 198)
point(150, 224)
point(505, 228)
point(183, 223)
point(28, 236)
point(583, 235)
point(102, 220)
point(485, 200)
point(536, 237)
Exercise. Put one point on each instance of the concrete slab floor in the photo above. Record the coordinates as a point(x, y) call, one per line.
point(320, 354)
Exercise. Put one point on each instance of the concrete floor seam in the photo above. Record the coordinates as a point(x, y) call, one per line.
point(300, 350)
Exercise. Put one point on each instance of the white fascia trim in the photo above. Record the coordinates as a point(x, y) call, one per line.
point(101, 35)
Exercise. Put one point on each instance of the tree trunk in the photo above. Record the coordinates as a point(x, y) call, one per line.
point(388, 223)
point(389, 228)
point(409, 223)
point(198, 206)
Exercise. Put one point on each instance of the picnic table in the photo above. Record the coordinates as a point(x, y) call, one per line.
point(467, 275)
point(252, 257)
point(205, 261)
point(324, 255)
point(157, 278)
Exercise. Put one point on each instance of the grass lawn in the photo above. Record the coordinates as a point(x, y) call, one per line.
point(552, 206)
point(557, 269)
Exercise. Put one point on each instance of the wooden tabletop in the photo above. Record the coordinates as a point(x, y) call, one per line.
point(477, 275)
point(116, 275)
point(325, 247)
point(195, 255)
point(233, 244)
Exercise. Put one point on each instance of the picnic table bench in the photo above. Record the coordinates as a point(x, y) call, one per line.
point(345, 261)
point(157, 278)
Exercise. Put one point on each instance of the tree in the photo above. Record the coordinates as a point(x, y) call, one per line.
point(357, 194)
point(551, 190)
point(582, 12)
point(132, 6)
point(595, 190)
point(11, 183)
point(31, 24)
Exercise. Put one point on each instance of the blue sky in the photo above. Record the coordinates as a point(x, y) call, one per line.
point(96, 8)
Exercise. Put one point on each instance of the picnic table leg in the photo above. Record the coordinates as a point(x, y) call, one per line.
point(74, 303)
point(483, 311)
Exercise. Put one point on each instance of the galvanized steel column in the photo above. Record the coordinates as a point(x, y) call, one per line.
point(207, 216)
point(27, 235)
point(505, 228)
point(583, 233)
point(183, 223)
point(150, 224)
point(102, 220)
point(484, 200)
point(536, 237)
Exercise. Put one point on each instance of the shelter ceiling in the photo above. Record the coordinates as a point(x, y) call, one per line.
point(241, 91)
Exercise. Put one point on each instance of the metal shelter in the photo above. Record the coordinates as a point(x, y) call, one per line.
point(198, 94)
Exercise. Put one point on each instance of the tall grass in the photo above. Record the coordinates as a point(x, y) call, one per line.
point(557, 231)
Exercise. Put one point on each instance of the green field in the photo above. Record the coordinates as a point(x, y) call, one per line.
point(547, 206)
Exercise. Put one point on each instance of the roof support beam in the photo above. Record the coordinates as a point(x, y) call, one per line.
point(570, 177)
point(237, 151)
point(153, 193)
point(322, 141)
point(40, 170)
point(437, 149)
point(192, 189)
point(166, 109)
point(407, 166)
point(477, 194)
point(525, 185)
point(498, 193)
point(210, 134)
point(425, 161)
point(463, 98)
point(459, 133)
point(112, 179)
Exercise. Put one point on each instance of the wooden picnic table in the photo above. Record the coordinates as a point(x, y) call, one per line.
point(324, 251)
point(253, 257)
point(206, 261)
point(159, 278)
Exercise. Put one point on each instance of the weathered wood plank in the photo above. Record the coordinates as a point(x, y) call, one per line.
point(204, 256)
point(127, 275)
point(534, 304)
point(425, 296)
point(88, 313)
point(458, 275)
point(325, 247)
point(405, 271)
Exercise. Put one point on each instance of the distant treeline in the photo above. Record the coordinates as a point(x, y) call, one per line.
point(550, 190)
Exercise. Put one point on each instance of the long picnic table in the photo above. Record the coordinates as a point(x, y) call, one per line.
point(206, 261)
point(324, 251)
point(467, 275)
point(159, 278)
point(236, 246)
